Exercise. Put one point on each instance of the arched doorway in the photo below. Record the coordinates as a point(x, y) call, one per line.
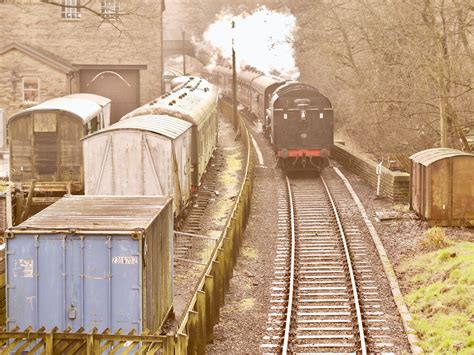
point(122, 86)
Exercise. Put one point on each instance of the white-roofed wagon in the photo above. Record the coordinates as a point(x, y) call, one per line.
point(46, 148)
point(146, 155)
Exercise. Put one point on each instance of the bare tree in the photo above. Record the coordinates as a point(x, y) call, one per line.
point(400, 73)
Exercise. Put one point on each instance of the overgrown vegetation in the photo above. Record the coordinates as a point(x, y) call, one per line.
point(441, 299)
point(435, 238)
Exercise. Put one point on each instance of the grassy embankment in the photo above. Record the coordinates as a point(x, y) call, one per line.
point(441, 297)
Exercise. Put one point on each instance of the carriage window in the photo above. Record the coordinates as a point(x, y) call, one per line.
point(44, 122)
point(30, 89)
point(110, 9)
point(71, 9)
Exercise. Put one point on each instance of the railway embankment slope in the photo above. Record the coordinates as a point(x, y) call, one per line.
point(440, 289)
point(434, 266)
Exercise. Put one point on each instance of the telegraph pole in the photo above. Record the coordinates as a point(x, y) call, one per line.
point(234, 80)
point(184, 52)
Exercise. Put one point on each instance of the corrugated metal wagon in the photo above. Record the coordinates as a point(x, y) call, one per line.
point(442, 186)
point(92, 262)
point(46, 148)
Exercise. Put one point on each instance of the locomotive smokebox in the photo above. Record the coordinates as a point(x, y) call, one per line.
point(302, 104)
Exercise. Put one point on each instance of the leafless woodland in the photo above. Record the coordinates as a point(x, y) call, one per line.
point(399, 73)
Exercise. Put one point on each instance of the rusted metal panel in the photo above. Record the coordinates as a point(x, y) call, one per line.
point(443, 183)
point(93, 262)
point(439, 199)
point(463, 190)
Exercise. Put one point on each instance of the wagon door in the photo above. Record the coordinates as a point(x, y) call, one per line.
point(70, 149)
point(21, 154)
point(45, 143)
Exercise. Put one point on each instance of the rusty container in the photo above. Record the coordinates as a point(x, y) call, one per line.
point(442, 186)
point(92, 262)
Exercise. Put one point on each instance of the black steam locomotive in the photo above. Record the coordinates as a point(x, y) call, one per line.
point(296, 117)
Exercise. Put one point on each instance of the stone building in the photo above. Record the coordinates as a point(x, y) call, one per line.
point(111, 48)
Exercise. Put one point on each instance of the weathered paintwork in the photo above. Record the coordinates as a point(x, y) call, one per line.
point(442, 186)
point(103, 262)
point(45, 139)
point(194, 102)
point(143, 156)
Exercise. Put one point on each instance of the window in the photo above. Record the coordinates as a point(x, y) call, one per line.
point(71, 9)
point(110, 8)
point(30, 89)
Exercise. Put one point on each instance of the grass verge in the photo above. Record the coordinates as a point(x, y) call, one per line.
point(441, 298)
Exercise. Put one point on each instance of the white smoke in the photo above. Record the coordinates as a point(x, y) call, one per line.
point(262, 39)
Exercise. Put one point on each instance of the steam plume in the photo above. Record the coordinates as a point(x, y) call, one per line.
point(262, 39)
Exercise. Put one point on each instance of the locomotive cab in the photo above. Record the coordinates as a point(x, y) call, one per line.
point(301, 127)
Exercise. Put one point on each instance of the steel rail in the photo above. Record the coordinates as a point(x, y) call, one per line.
point(363, 346)
point(292, 272)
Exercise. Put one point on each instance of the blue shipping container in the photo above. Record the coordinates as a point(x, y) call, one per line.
point(91, 261)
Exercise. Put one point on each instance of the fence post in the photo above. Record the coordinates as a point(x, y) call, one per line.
point(201, 308)
point(193, 332)
point(49, 344)
point(182, 344)
point(90, 344)
point(217, 289)
point(222, 274)
point(209, 289)
point(169, 344)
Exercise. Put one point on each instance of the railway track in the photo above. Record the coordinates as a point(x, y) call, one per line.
point(324, 296)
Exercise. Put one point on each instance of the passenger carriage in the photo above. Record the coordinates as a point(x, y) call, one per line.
point(194, 102)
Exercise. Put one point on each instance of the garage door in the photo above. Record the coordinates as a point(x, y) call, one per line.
point(121, 86)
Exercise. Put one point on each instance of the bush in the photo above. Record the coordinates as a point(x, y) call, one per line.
point(435, 238)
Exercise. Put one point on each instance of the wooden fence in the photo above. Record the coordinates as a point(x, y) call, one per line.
point(196, 326)
point(68, 342)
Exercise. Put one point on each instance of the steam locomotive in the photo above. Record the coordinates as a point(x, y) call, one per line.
point(296, 117)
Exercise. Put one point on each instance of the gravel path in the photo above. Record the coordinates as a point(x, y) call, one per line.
point(244, 315)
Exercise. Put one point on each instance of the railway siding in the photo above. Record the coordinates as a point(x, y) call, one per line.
point(195, 329)
point(394, 185)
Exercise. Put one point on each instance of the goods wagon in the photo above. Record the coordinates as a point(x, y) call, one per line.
point(194, 102)
point(442, 186)
point(142, 155)
point(45, 144)
point(100, 262)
